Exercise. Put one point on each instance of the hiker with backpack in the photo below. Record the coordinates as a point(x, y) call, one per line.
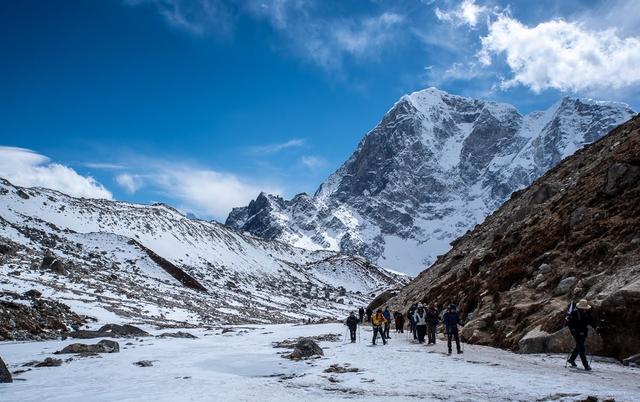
point(578, 320)
point(451, 320)
point(361, 314)
point(369, 313)
point(352, 324)
point(412, 324)
point(420, 321)
point(387, 323)
point(432, 324)
point(378, 320)
point(399, 320)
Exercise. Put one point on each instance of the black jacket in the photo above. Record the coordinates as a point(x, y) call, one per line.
point(578, 321)
point(352, 322)
point(432, 317)
point(451, 321)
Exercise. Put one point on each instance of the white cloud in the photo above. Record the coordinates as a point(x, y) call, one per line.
point(202, 191)
point(27, 168)
point(314, 162)
point(275, 148)
point(130, 182)
point(104, 166)
point(468, 13)
point(562, 55)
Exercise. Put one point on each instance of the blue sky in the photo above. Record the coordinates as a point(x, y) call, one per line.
point(204, 103)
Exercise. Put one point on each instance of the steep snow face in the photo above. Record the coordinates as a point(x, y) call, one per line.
point(128, 252)
point(435, 166)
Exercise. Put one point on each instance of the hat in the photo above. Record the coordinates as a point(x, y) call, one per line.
point(452, 306)
point(420, 305)
point(583, 305)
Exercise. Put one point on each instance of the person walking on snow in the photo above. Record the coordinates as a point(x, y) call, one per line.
point(378, 321)
point(412, 324)
point(361, 314)
point(578, 320)
point(420, 320)
point(369, 313)
point(387, 323)
point(352, 324)
point(432, 324)
point(399, 319)
point(451, 321)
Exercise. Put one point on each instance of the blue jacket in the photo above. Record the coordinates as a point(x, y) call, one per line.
point(387, 315)
point(451, 321)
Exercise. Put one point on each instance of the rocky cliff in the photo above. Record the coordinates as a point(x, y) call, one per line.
point(574, 233)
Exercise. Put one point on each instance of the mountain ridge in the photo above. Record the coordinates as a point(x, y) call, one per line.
point(434, 167)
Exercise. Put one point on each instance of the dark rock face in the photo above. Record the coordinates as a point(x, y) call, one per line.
point(514, 275)
point(179, 334)
point(110, 331)
point(5, 374)
point(305, 348)
point(104, 346)
point(37, 319)
point(434, 167)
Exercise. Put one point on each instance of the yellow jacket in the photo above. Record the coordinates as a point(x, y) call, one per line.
point(378, 319)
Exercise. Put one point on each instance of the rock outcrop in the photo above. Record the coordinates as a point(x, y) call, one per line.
point(104, 346)
point(5, 374)
point(572, 234)
point(305, 348)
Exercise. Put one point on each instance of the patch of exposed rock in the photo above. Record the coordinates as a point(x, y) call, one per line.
point(305, 348)
point(572, 234)
point(104, 346)
point(5, 374)
point(28, 317)
point(179, 334)
point(110, 331)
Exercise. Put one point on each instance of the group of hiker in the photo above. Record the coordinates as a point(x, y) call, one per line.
point(423, 321)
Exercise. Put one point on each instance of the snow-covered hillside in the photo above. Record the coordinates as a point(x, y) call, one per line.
point(435, 166)
point(152, 264)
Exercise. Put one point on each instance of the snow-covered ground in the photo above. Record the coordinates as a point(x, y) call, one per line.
point(243, 366)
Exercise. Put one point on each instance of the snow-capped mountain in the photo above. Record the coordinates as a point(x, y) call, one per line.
point(153, 264)
point(435, 166)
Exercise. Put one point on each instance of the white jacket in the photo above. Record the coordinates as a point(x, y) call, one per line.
point(420, 320)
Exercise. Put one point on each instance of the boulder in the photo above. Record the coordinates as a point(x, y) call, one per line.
point(305, 348)
point(33, 294)
point(5, 374)
point(144, 363)
point(538, 341)
point(178, 334)
point(565, 286)
point(110, 331)
point(104, 346)
point(49, 362)
point(621, 176)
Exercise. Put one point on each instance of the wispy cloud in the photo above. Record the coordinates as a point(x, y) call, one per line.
point(104, 166)
point(205, 192)
point(270, 149)
point(467, 13)
point(314, 162)
point(28, 168)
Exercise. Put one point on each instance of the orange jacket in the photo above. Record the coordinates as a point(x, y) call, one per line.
point(378, 319)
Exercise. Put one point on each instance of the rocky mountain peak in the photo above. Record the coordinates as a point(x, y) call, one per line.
point(436, 165)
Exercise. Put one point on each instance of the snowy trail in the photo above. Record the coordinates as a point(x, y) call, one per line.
point(243, 366)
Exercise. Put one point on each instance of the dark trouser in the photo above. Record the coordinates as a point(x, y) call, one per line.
point(387, 326)
point(453, 333)
point(579, 349)
point(400, 326)
point(352, 331)
point(412, 326)
point(421, 330)
point(361, 318)
point(368, 318)
point(377, 330)
point(431, 333)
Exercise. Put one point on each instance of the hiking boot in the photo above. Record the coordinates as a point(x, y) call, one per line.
point(572, 363)
point(588, 368)
point(460, 352)
point(449, 352)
